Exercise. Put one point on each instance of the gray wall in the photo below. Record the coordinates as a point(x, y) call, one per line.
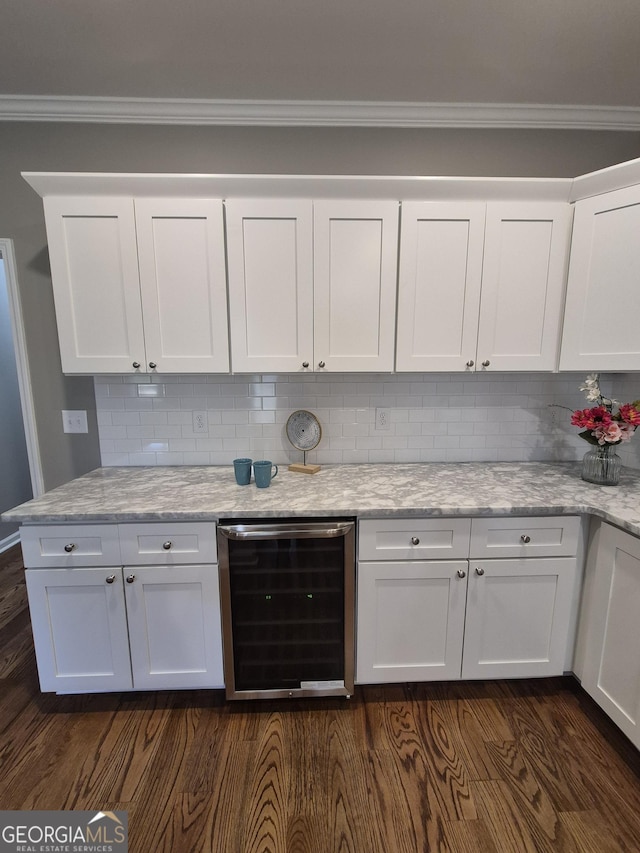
point(102, 148)
point(15, 478)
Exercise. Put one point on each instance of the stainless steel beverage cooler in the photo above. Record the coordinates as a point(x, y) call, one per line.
point(287, 594)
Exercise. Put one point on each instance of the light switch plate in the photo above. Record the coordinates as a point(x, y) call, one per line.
point(74, 421)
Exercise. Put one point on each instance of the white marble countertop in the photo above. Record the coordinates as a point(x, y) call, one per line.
point(384, 490)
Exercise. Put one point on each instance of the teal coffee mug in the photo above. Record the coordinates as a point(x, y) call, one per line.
point(242, 469)
point(262, 473)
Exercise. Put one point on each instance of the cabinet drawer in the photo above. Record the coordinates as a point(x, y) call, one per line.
point(414, 538)
point(68, 545)
point(550, 536)
point(168, 543)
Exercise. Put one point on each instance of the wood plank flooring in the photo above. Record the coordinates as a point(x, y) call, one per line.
point(479, 767)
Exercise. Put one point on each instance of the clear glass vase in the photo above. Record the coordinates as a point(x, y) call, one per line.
point(602, 465)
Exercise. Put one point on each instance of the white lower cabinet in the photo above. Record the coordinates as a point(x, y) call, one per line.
point(174, 626)
point(518, 614)
point(137, 627)
point(410, 620)
point(425, 620)
point(79, 624)
point(609, 637)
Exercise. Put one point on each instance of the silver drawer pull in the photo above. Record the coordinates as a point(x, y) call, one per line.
point(131, 578)
point(479, 571)
point(111, 578)
point(415, 540)
point(70, 547)
point(461, 574)
point(526, 539)
point(167, 545)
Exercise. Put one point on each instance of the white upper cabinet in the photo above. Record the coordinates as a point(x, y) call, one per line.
point(441, 247)
point(355, 252)
point(312, 284)
point(523, 276)
point(138, 285)
point(603, 291)
point(270, 258)
point(94, 270)
point(481, 286)
point(183, 284)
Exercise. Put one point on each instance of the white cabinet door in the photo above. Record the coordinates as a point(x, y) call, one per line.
point(523, 277)
point(174, 626)
point(610, 625)
point(183, 284)
point(441, 246)
point(270, 263)
point(410, 620)
point(518, 617)
point(603, 292)
point(355, 252)
point(80, 629)
point(94, 269)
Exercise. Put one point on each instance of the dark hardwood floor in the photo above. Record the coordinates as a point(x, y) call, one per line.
point(483, 767)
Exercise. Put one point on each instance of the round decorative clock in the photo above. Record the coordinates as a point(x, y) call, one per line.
point(304, 432)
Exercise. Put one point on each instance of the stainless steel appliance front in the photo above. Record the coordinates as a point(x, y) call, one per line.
point(287, 595)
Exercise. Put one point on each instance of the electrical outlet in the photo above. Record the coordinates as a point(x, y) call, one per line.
point(200, 422)
point(382, 419)
point(74, 421)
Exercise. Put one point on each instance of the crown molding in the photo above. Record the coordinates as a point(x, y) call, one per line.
point(141, 185)
point(315, 113)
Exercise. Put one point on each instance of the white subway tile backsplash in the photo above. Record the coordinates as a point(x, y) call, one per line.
point(432, 417)
point(150, 390)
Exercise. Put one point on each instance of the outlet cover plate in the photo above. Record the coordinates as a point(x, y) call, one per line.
point(74, 420)
point(382, 419)
point(200, 422)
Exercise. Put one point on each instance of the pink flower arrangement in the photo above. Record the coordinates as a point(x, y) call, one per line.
point(602, 424)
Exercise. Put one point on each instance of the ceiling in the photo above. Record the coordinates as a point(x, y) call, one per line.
point(344, 52)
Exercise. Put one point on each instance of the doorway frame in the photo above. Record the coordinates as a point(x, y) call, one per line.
point(22, 367)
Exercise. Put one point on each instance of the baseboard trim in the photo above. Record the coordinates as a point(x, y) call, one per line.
point(9, 541)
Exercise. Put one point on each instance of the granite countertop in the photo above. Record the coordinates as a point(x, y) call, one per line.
point(383, 490)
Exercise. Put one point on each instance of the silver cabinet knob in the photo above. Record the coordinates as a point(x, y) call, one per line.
point(461, 574)
point(167, 545)
point(136, 364)
point(415, 540)
point(321, 364)
point(111, 578)
point(470, 363)
point(70, 547)
point(486, 363)
point(152, 365)
point(526, 539)
point(131, 578)
point(479, 571)
point(305, 364)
